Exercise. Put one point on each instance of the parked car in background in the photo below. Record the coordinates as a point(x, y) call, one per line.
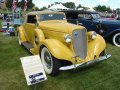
point(61, 45)
point(107, 27)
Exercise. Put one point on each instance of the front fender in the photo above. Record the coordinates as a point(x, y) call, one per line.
point(21, 31)
point(57, 49)
point(40, 36)
point(97, 46)
point(112, 32)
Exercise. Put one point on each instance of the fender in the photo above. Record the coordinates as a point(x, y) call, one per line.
point(40, 35)
point(58, 49)
point(22, 34)
point(111, 33)
point(96, 47)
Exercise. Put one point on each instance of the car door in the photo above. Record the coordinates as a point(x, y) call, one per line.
point(87, 22)
point(30, 27)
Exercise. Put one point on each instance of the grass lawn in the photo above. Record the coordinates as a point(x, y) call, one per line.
point(102, 76)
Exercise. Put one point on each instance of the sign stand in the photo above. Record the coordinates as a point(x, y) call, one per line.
point(33, 70)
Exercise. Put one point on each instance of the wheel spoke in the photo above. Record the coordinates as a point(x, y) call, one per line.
point(47, 59)
point(117, 40)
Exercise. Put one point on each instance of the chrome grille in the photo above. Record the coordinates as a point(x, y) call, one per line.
point(80, 43)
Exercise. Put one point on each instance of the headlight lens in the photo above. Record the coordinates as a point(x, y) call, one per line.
point(93, 35)
point(68, 38)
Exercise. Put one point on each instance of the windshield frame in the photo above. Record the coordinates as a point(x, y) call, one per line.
point(96, 16)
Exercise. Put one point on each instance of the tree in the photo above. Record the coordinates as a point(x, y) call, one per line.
point(30, 4)
point(48, 6)
point(21, 4)
point(69, 5)
point(57, 3)
point(79, 6)
point(102, 8)
point(35, 8)
point(43, 8)
point(9, 3)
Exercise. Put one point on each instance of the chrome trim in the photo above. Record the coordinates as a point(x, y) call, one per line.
point(84, 64)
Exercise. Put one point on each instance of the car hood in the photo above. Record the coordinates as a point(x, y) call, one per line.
point(59, 26)
point(107, 21)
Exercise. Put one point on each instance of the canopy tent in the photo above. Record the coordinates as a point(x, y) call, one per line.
point(91, 9)
point(58, 7)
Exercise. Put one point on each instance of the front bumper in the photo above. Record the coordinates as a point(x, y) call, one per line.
point(84, 64)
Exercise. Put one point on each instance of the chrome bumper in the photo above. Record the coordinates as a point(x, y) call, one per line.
point(102, 58)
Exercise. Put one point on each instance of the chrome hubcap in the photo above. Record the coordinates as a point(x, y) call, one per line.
point(118, 39)
point(47, 59)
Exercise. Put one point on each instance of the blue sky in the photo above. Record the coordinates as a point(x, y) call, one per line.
point(89, 3)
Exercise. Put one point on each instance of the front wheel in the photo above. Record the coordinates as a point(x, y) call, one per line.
point(116, 39)
point(51, 65)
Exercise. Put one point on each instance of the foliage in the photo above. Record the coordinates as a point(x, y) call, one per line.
point(69, 5)
point(35, 8)
point(30, 4)
point(21, 4)
point(9, 3)
point(43, 8)
point(79, 6)
point(102, 8)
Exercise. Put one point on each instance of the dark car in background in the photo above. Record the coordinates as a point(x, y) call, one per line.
point(108, 28)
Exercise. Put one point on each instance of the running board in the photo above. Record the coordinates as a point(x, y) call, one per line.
point(28, 45)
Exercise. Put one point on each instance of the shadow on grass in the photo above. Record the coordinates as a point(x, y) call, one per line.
point(82, 71)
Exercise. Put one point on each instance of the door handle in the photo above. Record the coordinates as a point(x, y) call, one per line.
point(80, 24)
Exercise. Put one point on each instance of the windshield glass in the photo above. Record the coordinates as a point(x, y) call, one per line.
point(44, 17)
point(96, 16)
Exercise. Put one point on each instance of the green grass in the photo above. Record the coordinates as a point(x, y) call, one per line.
point(0, 24)
point(102, 76)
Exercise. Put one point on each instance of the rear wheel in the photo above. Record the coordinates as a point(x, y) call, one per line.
point(19, 40)
point(116, 39)
point(51, 65)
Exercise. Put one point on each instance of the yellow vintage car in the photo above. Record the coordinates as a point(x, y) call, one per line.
point(61, 45)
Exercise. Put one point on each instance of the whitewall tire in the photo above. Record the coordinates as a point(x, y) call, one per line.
point(50, 64)
point(19, 41)
point(116, 39)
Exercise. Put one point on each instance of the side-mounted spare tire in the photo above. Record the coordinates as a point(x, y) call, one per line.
point(50, 63)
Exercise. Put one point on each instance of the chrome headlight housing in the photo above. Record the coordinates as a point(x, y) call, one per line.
point(67, 38)
point(93, 35)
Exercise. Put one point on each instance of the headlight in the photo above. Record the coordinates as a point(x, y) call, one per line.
point(68, 38)
point(93, 35)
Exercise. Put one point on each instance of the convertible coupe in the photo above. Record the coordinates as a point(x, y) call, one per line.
point(61, 45)
point(109, 28)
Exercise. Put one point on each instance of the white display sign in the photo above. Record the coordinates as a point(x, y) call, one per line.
point(33, 69)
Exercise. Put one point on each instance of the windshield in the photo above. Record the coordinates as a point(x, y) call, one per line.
point(96, 16)
point(44, 17)
point(89, 16)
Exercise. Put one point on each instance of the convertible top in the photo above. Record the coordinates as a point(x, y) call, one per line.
point(43, 12)
point(79, 12)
